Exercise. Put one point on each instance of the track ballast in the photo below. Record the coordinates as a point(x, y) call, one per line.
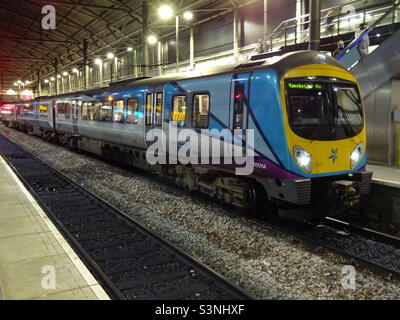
point(128, 260)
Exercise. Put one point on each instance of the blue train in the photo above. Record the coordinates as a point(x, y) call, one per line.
point(304, 109)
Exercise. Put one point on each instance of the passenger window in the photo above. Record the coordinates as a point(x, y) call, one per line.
point(148, 108)
point(179, 111)
point(105, 109)
point(60, 109)
point(131, 115)
point(19, 110)
point(201, 109)
point(117, 110)
point(158, 110)
point(28, 109)
point(75, 110)
point(92, 111)
point(43, 110)
point(67, 111)
point(84, 111)
point(238, 106)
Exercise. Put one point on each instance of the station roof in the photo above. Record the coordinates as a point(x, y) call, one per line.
point(27, 48)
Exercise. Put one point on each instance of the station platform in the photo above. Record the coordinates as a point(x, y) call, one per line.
point(36, 262)
point(385, 175)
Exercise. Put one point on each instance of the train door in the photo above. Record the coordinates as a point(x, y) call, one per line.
point(75, 115)
point(153, 112)
point(240, 107)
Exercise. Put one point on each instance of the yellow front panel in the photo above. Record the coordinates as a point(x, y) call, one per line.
point(322, 150)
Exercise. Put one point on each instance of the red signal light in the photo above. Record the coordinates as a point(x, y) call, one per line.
point(239, 95)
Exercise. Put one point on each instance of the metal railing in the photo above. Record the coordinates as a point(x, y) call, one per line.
point(335, 21)
point(351, 55)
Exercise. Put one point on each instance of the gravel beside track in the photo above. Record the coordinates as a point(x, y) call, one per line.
point(268, 264)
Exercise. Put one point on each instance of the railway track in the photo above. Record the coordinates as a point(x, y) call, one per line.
point(372, 249)
point(127, 259)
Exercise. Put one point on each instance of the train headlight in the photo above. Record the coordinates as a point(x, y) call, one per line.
point(356, 155)
point(303, 159)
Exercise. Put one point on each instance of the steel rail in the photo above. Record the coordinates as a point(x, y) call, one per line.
point(207, 275)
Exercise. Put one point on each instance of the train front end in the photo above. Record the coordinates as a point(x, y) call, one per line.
point(6, 113)
point(325, 131)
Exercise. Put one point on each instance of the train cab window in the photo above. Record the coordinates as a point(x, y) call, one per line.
point(148, 108)
point(179, 107)
point(132, 115)
point(43, 109)
point(201, 109)
point(324, 109)
point(158, 110)
point(238, 106)
point(105, 111)
point(117, 110)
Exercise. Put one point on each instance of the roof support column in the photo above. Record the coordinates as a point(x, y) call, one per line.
point(235, 31)
point(315, 25)
point(177, 42)
point(39, 86)
point(145, 34)
point(56, 75)
point(265, 24)
point(84, 71)
point(191, 47)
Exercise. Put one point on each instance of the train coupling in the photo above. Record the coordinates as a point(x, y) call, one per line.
point(343, 195)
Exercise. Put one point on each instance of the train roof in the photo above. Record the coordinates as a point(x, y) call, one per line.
point(281, 64)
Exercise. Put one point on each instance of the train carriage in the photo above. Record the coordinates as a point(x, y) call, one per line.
point(304, 110)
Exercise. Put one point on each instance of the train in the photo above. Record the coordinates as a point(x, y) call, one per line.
point(303, 109)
